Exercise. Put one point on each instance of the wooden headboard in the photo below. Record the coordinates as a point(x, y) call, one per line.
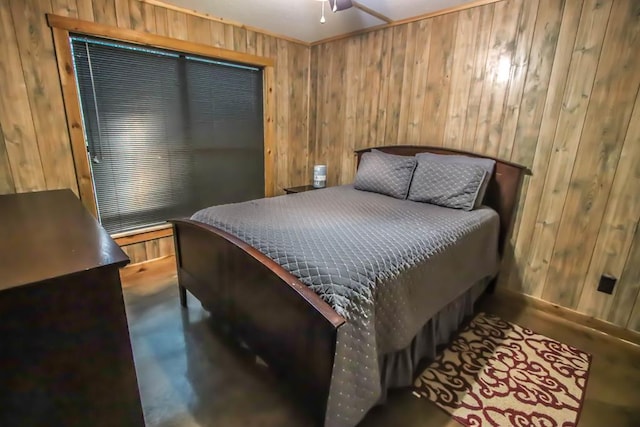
point(502, 192)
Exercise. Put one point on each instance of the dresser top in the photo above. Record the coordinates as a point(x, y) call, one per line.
point(49, 234)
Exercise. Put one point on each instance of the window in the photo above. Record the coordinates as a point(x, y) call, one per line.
point(167, 133)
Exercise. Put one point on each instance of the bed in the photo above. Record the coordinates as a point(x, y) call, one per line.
point(261, 269)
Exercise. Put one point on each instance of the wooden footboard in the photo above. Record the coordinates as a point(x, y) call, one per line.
point(279, 318)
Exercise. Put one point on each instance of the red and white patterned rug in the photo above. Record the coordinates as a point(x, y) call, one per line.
point(495, 373)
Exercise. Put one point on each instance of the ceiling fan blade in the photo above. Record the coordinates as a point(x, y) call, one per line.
point(338, 5)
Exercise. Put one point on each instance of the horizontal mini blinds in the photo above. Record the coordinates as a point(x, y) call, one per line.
point(167, 134)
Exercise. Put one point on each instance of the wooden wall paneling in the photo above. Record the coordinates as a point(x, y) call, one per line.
point(616, 234)
point(519, 67)
point(104, 12)
point(373, 78)
point(240, 39)
point(504, 32)
point(363, 98)
point(335, 128)
point(320, 104)
point(320, 87)
point(283, 95)
point(313, 104)
point(407, 83)
point(252, 40)
point(199, 30)
point(6, 179)
point(217, 33)
point(135, 16)
point(228, 36)
point(65, 8)
point(43, 89)
point(537, 80)
point(294, 145)
point(298, 142)
point(271, 51)
point(531, 109)
point(149, 18)
point(162, 21)
point(325, 59)
point(166, 247)
point(436, 102)
point(399, 53)
point(481, 48)
point(154, 40)
point(630, 281)
point(142, 17)
point(123, 13)
point(177, 25)
point(607, 118)
point(334, 109)
point(152, 249)
point(16, 119)
point(584, 61)
point(269, 131)
point(543, 151)
point(262, 44)
point(343, 73)
point(415, 101)
point(468, 27)
point(352, 87)
point(266, 48)
point(85, 10)
point(136, 252)
point(383, 98)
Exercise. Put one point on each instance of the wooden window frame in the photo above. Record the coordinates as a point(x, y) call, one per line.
point(143, 235)
point(62, 27)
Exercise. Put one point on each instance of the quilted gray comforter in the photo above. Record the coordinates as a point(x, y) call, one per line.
point(386, 265)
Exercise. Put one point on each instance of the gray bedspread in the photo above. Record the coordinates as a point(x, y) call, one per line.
point(386, 265)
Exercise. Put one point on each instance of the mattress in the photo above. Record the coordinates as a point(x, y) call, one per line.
point(386, 265)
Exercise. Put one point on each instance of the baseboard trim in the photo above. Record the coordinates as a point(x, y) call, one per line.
point(566, 314)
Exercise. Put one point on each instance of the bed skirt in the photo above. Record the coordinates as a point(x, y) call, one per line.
point(399, 369)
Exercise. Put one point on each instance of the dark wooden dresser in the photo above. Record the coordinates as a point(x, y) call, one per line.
point(65, 354)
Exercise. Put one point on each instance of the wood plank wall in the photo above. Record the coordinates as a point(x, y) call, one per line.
point(35, 152)
point(150, 250)
point(549, 84)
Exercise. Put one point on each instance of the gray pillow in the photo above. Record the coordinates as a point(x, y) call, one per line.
point(385, 174)
point(452, 185)
point(486, 164)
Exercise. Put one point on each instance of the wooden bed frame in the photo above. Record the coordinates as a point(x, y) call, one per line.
point(285, 323)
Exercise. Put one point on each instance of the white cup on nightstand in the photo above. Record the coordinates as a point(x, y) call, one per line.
point(319, 176)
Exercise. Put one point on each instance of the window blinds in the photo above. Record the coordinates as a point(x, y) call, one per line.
point(167, 134)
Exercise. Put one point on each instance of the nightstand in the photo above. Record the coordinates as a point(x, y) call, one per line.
point(299, 189)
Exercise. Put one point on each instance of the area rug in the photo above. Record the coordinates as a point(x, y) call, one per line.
point(495, 373)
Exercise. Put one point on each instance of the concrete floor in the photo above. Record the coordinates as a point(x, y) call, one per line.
point(189, 374)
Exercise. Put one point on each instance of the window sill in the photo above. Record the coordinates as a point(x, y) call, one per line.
point(143, 234)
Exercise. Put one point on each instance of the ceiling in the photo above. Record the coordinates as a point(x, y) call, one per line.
point(300, 19)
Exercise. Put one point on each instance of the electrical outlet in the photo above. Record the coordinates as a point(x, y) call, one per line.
point(606, 284)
